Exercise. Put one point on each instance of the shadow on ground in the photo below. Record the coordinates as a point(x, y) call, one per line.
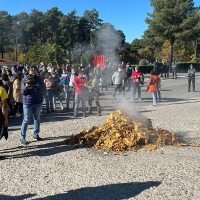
point(46, 149)
point(21, 197)
point(106, 192)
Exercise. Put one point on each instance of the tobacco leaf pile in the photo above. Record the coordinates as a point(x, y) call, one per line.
point(124, 132)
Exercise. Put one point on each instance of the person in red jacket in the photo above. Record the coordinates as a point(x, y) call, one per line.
point(80, 89)
point(137, 79)
point(153, 85)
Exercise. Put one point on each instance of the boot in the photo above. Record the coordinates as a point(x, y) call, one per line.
point(89, 112)
point(98, 112)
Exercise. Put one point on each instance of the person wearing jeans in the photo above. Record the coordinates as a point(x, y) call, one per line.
point(153, 85)
point(32, 103)
point(64, 79)
point(154, 98)
point(34, 109)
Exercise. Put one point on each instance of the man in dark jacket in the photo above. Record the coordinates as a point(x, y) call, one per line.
point(128, 75)
point(32, 103)
point(43, 72)
point(191, 78)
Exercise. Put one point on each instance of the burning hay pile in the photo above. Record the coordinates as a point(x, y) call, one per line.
point(122, 132)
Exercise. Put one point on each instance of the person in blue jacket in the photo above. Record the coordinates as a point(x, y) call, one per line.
point(32, 103)
point(64, 79)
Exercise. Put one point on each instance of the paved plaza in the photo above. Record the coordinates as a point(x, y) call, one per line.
point(46, 170)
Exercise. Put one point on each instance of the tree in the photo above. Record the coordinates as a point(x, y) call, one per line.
point(48, 53)
point(5, 29)
point(22, 20)
point(152, 45)
point(69, 29)
point(167, 19)
point(192, 30)
point(92, 16)
point(51, 21)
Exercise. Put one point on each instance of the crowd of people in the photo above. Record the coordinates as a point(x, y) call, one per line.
point(25, 89)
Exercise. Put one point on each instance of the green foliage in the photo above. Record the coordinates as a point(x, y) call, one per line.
point(143, 62)
point(195, 60)
point(48, 53)
point(184, 66)
point(6, 21)
point(168, 19)
point(86, 58)
point(146, 69)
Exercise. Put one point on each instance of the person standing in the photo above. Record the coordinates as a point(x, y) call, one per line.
point(71, 90)
point(48, 81)
point(174, 68)
point(64, 80)
point(166, 68)
point(43, 72)
point(137, 79)
point(59, 71)
point(153, 85)
point(191, 78)
point(17, 94)
point(128, 76)
point(3, 113)
point(32, 103)
point(93, 94)
point(118, 80)
point(155, 65)
point(80, 87)
point(104, 78)
point(7, 83)
point(97, 71)
point(57, 90)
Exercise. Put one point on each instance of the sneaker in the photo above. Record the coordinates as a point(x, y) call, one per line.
point(38, 138)
point(62, 108)
point(140, 99)
point(23, 141)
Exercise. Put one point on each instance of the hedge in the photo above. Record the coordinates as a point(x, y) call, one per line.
point(146, 69)
point(181, 67)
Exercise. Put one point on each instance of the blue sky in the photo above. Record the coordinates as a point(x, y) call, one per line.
point(126, 15)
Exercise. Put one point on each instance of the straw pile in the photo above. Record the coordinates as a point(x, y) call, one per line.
point(123, 132)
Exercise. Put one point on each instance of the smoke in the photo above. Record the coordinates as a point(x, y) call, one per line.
point(129, 106)
point(108, 42)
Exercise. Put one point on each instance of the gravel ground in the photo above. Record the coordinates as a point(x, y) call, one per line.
point(44, 170)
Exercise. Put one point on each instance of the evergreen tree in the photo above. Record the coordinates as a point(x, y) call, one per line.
point(167, 19)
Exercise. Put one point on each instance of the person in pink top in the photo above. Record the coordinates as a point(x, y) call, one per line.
point(80, 89)
point(48, 81)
